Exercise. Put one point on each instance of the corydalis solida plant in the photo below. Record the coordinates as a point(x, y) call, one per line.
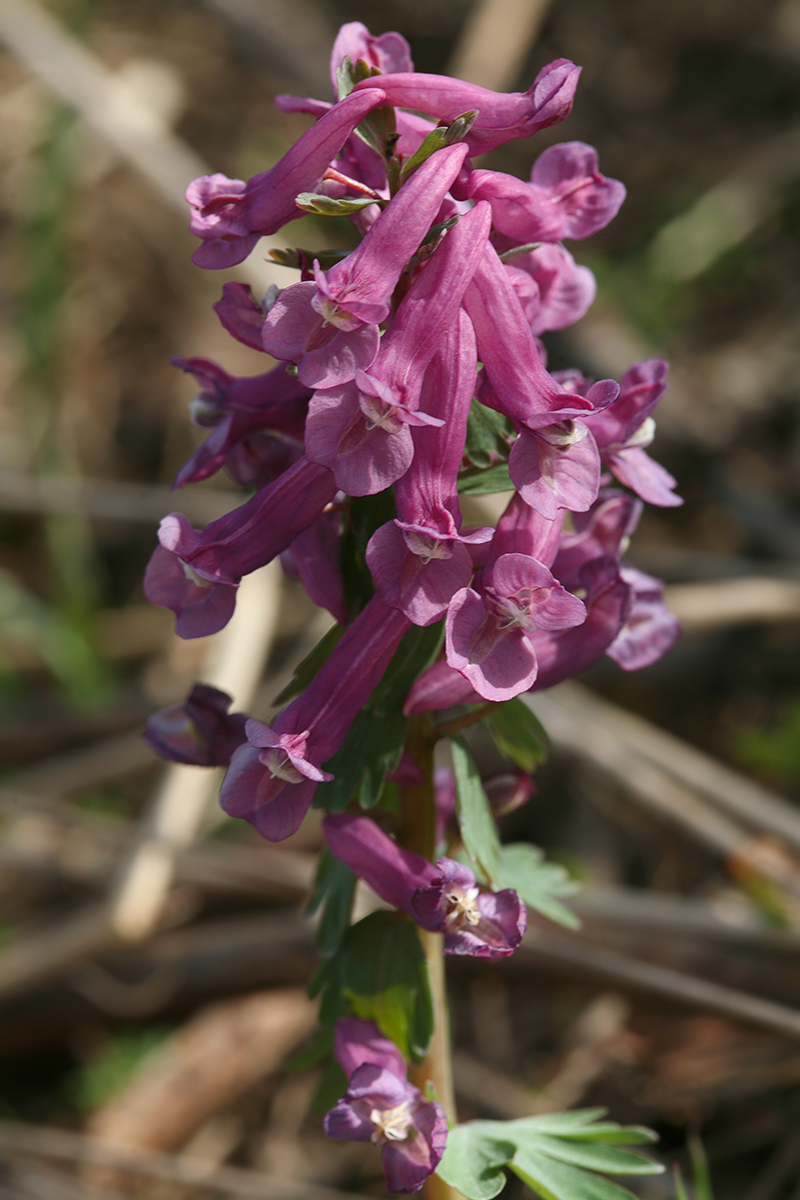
point(411, 371)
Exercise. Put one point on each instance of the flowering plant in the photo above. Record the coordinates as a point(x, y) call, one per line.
point(411, 373)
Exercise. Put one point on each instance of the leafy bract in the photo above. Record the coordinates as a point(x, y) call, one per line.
point(517, 733)
point(379, 973)
point(557, 1156)
point(539, 884)
point(334, 888)
point(478, 830)
point(437, 139)
point(481, 483)
point(488, 434)
point(328, 206)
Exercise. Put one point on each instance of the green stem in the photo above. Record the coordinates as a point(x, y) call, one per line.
point(419, 834)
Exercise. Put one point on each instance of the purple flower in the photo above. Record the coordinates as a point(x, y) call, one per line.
point(420, 560)
point(235, 409)
point(650, 629)
point(567, 197)
point(501, 116)
point(626, 426)
point(240, 315)
point(196, 574)
point(362, 430)
point(330, 327)
point(200, 732)
point(442, 897)
point(554, 292)
point(313, 558)
point(382, 1107)
point(515, 380)
point(272, 778)
point(488, 634)
point(231, 215)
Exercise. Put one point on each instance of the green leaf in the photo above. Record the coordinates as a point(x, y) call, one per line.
point(438, 138)
point(334, 887)
point(483, 483)
point(346, 78)
point(488, 434)
point(370, 752)
point(478, 830)
point(327, 206)
point(297, 258)
point(305, 671)
point(553, 1180)
point(517, 251)
point(701, 1176)
point(331, 1087)
point(538, 883)
point(598, 1156)
point(379, 974)
point(518, 734)
point(556, 1155)
point(473, 1165)
point(378, 129)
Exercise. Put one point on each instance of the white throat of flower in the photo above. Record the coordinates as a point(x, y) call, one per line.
point(280, 766)
point(643, 436)
point(427, 546)
point(193, 577)
point(462, 906)
point(331, 312)
point(392, 1124)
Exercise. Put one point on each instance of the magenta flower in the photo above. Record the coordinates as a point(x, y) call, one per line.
point(442, 897)
point(235, 409)
point(362, 430)
point(382, 1107)
point(553, 290)
point(196, 574)
point(554, 462)
point(330, 327)
point(501, 116)
point(420, 560)
point(240, 315)
point(313, 558)
point(273, 777)
point(650, 629)
point(626, 426)
point(567, 197)
point(231, 215)
point(200, 731)
point(488, 633)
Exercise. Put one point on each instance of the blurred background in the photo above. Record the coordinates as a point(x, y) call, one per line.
point(139, 938)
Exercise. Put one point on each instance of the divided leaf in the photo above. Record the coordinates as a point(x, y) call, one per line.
point(555, 1155)
point(539, 884)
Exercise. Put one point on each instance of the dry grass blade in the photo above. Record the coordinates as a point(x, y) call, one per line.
point(621, 742)
point(38, 1142)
